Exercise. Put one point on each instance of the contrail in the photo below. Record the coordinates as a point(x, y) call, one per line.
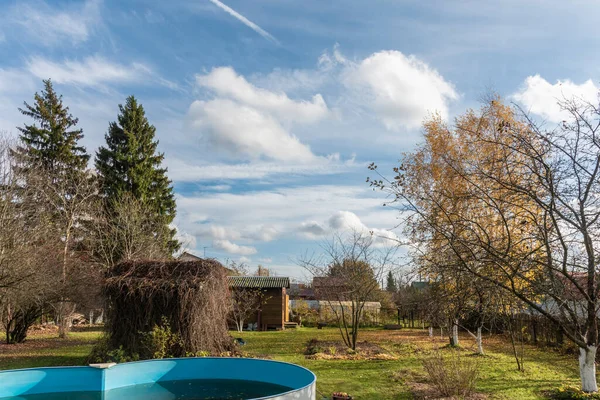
point(245, 21)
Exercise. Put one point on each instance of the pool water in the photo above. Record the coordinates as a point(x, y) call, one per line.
point(195, 389)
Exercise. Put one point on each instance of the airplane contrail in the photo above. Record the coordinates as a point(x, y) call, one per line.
point(245, 21)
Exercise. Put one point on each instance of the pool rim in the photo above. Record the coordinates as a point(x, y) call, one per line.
point(313, 382)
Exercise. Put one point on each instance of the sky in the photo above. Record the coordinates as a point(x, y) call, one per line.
point(269, 111)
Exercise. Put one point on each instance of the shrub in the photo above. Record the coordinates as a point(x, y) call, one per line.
point(102, 353)
point(161, 342)
point(453, 375)
point(312, 347)
point(572, 393)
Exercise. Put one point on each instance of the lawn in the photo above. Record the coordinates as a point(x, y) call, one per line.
point(365, 379)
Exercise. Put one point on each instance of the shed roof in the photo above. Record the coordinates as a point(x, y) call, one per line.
point(259, 281)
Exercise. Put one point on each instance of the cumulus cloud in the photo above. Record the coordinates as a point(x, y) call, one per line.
point(221, 233)
point(312, 229)
point(346, 221)
point(50, 26)
point(541, 97)
point(225, 82)
point(252, 123)
point(245, 131)
point(233, 248)
point(401, 89)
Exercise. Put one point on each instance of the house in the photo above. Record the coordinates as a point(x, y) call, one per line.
point(300, 291)
point(185, 256)
point(274, 313)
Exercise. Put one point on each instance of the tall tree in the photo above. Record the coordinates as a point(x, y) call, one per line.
point(522, 212)
point(52, 141)
point(130, 163)
point(390, 284)
point(57, 192)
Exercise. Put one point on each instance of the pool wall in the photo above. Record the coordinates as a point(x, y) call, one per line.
point(83, 379)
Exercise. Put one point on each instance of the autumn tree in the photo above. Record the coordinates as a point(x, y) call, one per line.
point(522, 211)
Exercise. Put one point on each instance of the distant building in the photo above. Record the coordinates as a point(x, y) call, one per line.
point(419, 285)
point(301, 291)
point(185, 256)
point(275, 312)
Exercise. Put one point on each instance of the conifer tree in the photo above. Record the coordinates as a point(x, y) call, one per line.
point(130, 163)
point(52, 141)
point(391, 283)
point(55, 195)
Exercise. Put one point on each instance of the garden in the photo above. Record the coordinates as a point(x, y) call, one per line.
point(391, 367)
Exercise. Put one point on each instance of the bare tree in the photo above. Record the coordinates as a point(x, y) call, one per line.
point(123, 231)
point(245, 303)
point(23, 252)
point(347, 276)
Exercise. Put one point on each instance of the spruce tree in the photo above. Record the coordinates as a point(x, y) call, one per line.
point(130, 163)
point(52, 141)
point(391, 283)
point(55, 194)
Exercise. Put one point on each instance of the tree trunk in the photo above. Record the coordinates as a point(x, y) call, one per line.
point(454, 337)
point(430, 331)
point(479, 340)
point(587, 369)
point(240, 325)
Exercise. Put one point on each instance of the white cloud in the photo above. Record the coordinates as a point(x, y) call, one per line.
point(541, 97)
point(264, 233)
point(233, 248)
point(344, 222)
point(245, 132)
point(252, 123)
point(183, 172)
point(245, 21)
point(309, 212)
point(401, 89)
point(15, 81)
point(244, 260)
point(312, 230)
point(225, 82)
point(265, 260)
point(93, 71)
point(90, 72)
point(52, 26)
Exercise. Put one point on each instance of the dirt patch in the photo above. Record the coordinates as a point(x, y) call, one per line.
point(333, 350)
point(425, 391)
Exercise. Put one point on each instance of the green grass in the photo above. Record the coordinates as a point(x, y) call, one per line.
point(46, 349)
point(545, 368)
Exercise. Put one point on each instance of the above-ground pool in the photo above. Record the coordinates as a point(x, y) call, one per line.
point(167, 379)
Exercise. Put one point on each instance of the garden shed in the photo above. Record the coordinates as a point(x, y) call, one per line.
point(190, 297)
point(274, 313)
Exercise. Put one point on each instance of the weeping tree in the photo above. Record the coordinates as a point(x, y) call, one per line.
point(189, 299)
point(518, 206)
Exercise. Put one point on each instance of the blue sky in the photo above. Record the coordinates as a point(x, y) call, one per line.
point(268, 111)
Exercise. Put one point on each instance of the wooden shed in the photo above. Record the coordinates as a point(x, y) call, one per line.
point(274, 312)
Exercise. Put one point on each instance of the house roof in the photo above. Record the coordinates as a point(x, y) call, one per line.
point(259, 281)
point(189, 257)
